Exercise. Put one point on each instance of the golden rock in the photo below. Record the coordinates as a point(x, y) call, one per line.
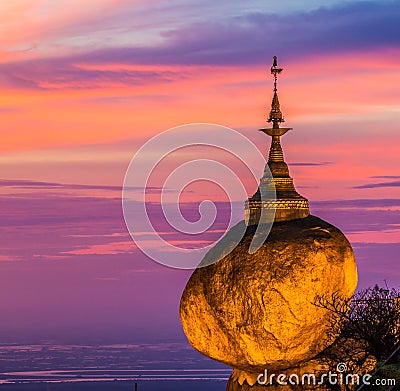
point(257, 311)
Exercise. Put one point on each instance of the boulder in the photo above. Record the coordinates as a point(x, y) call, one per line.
point(257, 311)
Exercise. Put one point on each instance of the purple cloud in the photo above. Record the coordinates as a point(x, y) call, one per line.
point(386, 177)
point(378, 185)
point(52, 226)
point(359, 215)
point(48, 226)
point(63, 72)
point(234, 40)
point(358, 203)
point(28, 184)
point(249, 39)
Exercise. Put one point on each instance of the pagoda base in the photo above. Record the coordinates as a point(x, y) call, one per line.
point(285, 210)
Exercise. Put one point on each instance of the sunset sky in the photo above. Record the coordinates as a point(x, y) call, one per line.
point(84, 84)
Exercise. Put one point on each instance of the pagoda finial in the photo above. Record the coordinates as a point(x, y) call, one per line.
point(275, 115)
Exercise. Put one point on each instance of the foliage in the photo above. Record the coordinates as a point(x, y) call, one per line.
point(371, 318)
point(364, 329)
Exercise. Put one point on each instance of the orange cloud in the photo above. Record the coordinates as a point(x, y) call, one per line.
point(333, 91)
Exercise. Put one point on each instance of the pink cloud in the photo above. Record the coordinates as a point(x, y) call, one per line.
point(113, 248)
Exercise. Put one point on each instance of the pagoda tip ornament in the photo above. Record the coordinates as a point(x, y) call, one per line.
point(275, 115)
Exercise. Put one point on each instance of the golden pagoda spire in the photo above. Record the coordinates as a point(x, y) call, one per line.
point(288, 205)
point(275, 115)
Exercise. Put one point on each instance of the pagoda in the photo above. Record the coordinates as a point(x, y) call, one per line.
point(288, 204)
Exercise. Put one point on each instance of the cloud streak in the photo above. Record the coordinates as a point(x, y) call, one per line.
point(28, 184)
point(66, 73)
point(378, 185)
point(309, 164)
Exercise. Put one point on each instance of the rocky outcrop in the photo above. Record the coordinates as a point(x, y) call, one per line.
point(257, 311)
